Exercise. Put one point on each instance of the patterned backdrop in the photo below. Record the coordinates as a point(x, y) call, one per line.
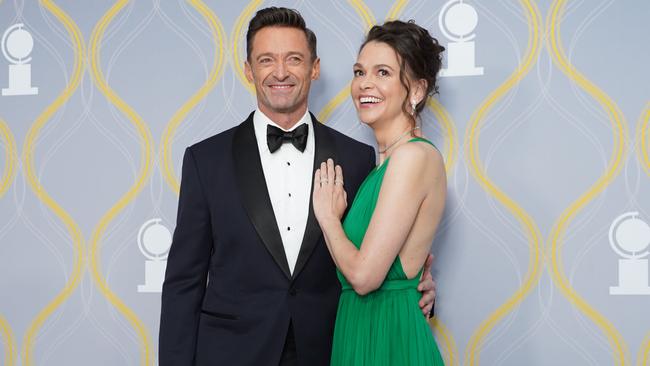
point(543, 118)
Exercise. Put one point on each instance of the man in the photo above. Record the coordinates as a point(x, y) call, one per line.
point(245, 221)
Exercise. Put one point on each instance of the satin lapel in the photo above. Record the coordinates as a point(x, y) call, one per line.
point(255, 195)
point(324, 150)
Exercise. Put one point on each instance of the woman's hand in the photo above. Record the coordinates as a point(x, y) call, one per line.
point(330, 199)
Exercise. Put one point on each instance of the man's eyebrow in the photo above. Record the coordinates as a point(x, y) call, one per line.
point(271, 54)
point(265, 54)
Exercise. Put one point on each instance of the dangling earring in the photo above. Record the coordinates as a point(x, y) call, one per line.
point(413, 104)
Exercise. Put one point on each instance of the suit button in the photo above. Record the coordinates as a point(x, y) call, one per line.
point(293, 291)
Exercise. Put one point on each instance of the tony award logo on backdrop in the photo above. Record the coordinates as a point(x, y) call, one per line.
point(154, 241)
point(17, 45)
point(457, 22)
point(629, 236)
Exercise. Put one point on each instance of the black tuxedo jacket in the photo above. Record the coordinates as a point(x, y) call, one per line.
point(228, 295)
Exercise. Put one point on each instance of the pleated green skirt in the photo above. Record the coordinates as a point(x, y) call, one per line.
point(385, 327)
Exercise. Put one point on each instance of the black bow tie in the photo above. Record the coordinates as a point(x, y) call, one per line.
point(275, 137)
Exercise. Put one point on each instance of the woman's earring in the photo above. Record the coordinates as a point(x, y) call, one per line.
point(413, 104)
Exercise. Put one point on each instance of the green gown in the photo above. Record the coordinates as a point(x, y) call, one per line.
point(384, 327)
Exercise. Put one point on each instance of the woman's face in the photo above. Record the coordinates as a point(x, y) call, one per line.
point(376, 89)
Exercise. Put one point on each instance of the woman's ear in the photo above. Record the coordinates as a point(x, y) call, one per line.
point(419, 91)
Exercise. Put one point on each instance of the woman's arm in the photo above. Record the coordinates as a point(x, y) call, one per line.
point(403, 190)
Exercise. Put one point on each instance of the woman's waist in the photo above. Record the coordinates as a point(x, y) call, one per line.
point(388, 285)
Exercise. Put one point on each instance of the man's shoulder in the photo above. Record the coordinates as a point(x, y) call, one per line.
point(346, 141)
point(215, 143)
point(215, 140)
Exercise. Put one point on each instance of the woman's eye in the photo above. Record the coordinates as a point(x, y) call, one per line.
point(383, 72)
point(357, 73)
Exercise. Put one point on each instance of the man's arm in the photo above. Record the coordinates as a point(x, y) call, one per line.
point(187, 268)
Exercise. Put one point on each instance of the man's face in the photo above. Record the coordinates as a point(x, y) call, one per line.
point(281, 68)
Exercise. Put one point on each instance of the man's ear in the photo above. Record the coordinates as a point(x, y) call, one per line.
point(315, 69)
point(248, 71)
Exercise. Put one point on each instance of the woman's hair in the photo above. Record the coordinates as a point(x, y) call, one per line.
point(419, 55)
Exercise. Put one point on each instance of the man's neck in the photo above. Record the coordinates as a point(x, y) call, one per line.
point(285, 120)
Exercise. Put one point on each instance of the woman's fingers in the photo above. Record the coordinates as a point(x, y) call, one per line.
point(330, 171)
point(339, 175)
point(329, 175)
point(317, 180)
point(323, 174)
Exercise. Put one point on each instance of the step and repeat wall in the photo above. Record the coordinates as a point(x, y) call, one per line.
point(542, 117)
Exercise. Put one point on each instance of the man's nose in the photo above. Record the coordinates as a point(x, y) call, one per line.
point(280, 72)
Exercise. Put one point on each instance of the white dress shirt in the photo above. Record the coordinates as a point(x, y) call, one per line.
point(288, 174)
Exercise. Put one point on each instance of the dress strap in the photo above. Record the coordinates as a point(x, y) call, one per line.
point(423, 140)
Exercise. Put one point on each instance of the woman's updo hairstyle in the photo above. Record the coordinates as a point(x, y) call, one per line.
point(419, 55)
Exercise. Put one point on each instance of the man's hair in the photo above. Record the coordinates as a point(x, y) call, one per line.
point(278, 17)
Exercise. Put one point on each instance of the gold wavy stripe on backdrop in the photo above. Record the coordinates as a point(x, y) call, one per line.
point(531, 229)
point(451, 136)
point(238, 40)
point(396, 9)
point(215, 73)
point(643, 140)
point(146, 141)
point(365, 13)
point(644, 352)
point(340, 97)
point(33, 182)
point(11, 156)
point(619, 127)
point(9, 341)
point(448, 342)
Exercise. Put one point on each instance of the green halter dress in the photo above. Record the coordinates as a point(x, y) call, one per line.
point(385, 327)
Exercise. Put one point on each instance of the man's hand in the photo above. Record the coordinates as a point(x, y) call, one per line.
point(427, 287)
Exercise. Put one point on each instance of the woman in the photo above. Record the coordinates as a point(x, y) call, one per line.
point(382, 245)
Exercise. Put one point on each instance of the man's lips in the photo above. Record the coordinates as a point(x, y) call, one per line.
point(280, 86)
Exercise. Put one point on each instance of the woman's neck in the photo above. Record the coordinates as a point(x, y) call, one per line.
point(391, 134)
